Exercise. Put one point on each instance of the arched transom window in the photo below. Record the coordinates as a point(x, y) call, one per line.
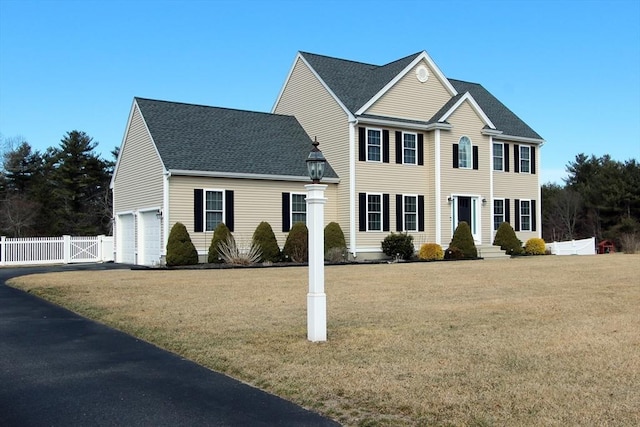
point(464, 153)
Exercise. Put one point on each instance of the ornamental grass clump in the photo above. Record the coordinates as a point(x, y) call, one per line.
point(180, 248)
point(507, 240)
point(431, 252)
point(220, 234)
point(535, 246)
point(296, 247)
point(463, 240)
point(398, 245)
point(265, 239)
point(239, 254)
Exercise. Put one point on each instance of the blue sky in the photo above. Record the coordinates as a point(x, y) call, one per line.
point(570, 69)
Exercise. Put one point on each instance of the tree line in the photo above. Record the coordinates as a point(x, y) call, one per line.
point(63, 190)
point(600, 198)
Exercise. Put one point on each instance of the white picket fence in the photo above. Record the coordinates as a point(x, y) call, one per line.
point(55, 250)
point(573, 247)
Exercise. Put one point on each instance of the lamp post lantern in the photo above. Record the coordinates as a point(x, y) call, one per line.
point(316, 298)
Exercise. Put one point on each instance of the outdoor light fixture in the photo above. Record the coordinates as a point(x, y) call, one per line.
point(315, 163)
point(484, 201)
point(159, 214)
point(449, 199)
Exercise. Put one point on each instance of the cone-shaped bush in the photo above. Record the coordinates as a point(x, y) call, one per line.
point(220, 234)
point(398, 244)
point(296, 247)
point(180, 249)
point(333, 237)
point(507, 240)
point(463, 240)
point(265, 239)
point(535, 246)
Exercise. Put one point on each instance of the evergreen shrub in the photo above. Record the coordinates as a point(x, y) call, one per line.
point(507, 240)
point(398, 245)
point(334, 238)
point(535, 246)
point(453, 253)
point(180, 248)
point(296, 247)
point(431, 252)
point(463, 240)
point(265, 239)
point(220, 234)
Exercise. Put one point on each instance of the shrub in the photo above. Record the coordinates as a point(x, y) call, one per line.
point(264, 239)
point(453, 253)
point(296, 247)
point(630, 243)
point(463, 240)
point(431, 252)
point(232, 253)
point(398, 245)
point(334, 238)
point(507, 240)
point(220, 234)
point(180, 249)
point(335, 255)
point(535, 246)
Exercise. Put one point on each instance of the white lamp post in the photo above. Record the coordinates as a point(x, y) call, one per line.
point(316, 298)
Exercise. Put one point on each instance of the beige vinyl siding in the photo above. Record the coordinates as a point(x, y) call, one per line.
point(430, 198)
point(465, 122)
point(392, 178)
point(411, 99)
point(138, 181)
point(254, 201)
point(321, 116)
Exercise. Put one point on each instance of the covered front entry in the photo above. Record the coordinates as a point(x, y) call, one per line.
point(467, 208)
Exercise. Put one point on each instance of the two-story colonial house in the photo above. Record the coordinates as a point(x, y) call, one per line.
point(409, 150)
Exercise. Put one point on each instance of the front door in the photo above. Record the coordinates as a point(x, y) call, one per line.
point(466, 208)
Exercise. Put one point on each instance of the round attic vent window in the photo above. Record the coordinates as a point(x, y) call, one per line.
point(422, 73)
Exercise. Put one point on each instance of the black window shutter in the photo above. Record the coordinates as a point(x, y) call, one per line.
point(533, 161)
point(507, 211)
point(475, 157)
point(362, 144)
point(505, 156)
point(385, 146)
point(517, 221)
point(399, 212)
point(420, 149)
point(362, 210)
point(198, 210)
point(399, 147)
point(385, 212)
point(286, 213)
point(533, 215)
point(455, 156)
point(516, 158)
point(228, 209)
point(420, 213)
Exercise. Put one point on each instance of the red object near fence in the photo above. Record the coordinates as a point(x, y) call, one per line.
point(606, 247)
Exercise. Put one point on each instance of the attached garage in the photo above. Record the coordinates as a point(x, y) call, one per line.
point(149, 238)
point(126, 243)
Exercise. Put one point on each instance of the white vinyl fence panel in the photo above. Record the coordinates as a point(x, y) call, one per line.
point(574, 247)
point(55, 250)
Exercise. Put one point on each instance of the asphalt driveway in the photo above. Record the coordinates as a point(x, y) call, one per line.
point(59, 369)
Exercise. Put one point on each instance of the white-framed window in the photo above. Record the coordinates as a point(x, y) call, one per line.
point(410, 212)
point(213, 209)
point(498, 213)
point(525, 215)
point(298, 208)
point(409, 147)
point(525, 159)
point(464, 153)
point(374, 212)
point(498, 156)
point(374, 145)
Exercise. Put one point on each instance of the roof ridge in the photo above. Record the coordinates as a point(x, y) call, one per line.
point(339, 59)
point(212, 106)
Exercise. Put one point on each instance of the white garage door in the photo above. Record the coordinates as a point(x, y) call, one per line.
point(126, 243)
point(149, 238)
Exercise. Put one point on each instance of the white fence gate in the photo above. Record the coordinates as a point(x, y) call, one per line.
point(55, 250)
point(574, 247)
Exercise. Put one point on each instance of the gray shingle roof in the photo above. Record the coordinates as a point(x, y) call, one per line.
point(200, 138)
point(355, 83)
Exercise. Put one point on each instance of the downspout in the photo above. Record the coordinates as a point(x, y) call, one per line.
point(491, 188)
point(438, 189)
point(165, 213)
point(539, 204)
point(353, 122)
